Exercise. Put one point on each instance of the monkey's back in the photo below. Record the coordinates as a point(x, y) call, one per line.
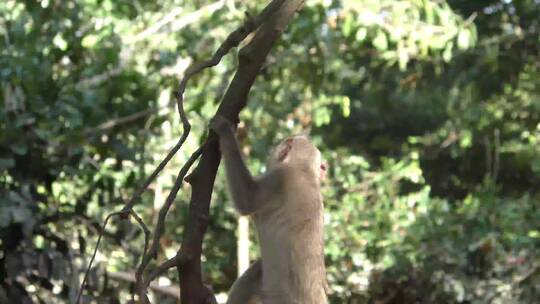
point(292, 242)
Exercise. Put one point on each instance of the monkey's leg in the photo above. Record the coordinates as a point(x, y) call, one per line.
point(247, 288)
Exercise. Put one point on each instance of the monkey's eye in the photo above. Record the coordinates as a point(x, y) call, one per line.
point(323, 167)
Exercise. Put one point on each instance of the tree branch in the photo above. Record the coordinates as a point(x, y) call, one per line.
point(79, 294)
point(160, 225)
point(178, 24)
point(121, 121)
point(171, 291)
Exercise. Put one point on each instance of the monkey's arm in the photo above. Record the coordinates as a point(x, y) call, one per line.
point(248, 193)
point(243, 186)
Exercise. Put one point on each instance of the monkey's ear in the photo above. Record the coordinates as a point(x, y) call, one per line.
point(284, 149)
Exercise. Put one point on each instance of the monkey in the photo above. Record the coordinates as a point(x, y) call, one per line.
point(286, 206)
point(247, 288)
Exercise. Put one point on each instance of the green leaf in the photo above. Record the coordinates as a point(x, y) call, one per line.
point(381, 41)
point(464, 39)
point(403, 59)
point(447, 54)
point(347, 26)
point(361, 34)
point(6, 163)
point(465, 140)
point(17, 198)
point(19, 148)
point(20, 214)
point(5, 217)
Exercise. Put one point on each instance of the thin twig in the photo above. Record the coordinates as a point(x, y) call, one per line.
point(171, 291)
point(95, 252)
point(160, 225)
point(121, 121)
point(178, 259)
point(145, 229)
point(129, 205)
point(179, 23)
point(233, 40)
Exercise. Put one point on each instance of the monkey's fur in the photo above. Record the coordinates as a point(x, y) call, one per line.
point(287, 209)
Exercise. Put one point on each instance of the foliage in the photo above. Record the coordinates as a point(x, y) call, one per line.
point(427, 111)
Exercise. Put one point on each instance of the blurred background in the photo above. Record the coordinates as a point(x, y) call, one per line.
point(427, 111)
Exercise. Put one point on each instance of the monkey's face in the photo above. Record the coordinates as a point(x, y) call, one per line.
point(299, 151)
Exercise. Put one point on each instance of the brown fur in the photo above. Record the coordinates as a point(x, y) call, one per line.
point(287, 208)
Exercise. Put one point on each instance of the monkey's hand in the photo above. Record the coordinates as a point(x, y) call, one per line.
point(221, 125)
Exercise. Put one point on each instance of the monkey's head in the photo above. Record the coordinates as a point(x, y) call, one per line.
point(298, 151)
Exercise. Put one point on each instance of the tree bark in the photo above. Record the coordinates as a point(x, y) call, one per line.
point(251, 59)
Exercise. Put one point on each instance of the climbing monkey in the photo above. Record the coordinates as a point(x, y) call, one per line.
point(286, 206)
